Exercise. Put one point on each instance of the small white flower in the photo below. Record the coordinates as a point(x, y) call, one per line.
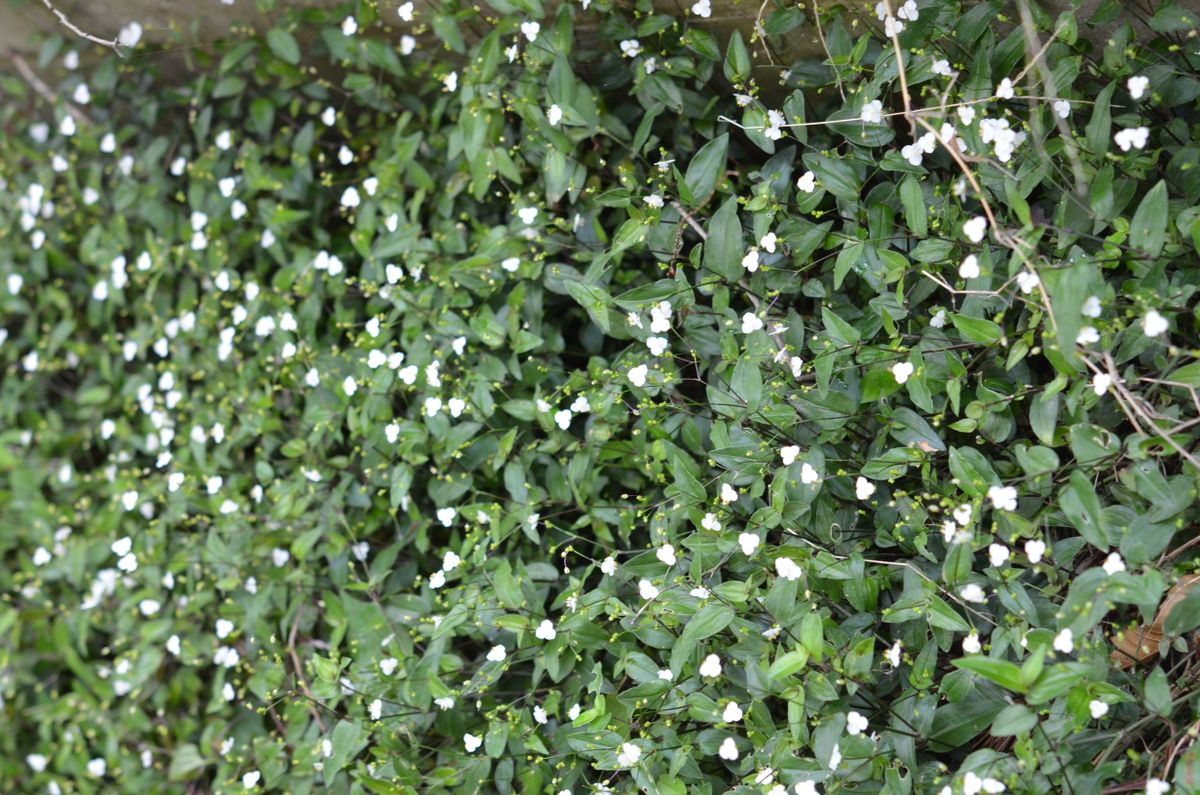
point(528, 215)
point(497, 653)
point(863, 488)
point(808, 475)
point(806, 788)
point(1027, 280)
point(280, 557)
point(1156, 786)
point(655, 201)
point(450, 82)
point(971, 643)
point(97, 767)
point(1101, 382)
point(709, 522)
point(1064, 641)
point(554, 115)
point(609, 566)
point(942, 67)
point(406, 11)
point(349, 386)
point(1088, 335)
point(1132, 138)
point(637, 375)
point(471, 742)
point(893, 654)
point(1137, 86)
point(908, 10)
point(702, 8)
point(444, 702)
point(1004, 498)
point(971, 592)
point(1035, 549)
point(749, 543)
point(630, 48)
point(975, 229)
point(149, 607)
point(657, 345)
point(728, 750)
point(728, 493)
point(835, 757)
point(250, 780)
point(998, 555)
point(647, 590)
point(1062, 107)
point(732, 713)
point(787, 569)
point(872, 112)
point(939, 318)
point(856, 724)
point(1113, 563)
point(546, 630)
point(711, 667)
point(1091, 307)
point(666, 554)
point(902, 371)
point(807, 182)
point(789, 453)
point(530, 30)
point(751, 323)
point(629, 755)
point(1154, 324)
point(962, 514)
point(349, 26)
point(1005, 89)
point(750, 261)
point(1098, 708)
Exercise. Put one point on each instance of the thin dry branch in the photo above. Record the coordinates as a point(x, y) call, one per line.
point(43, 90)
point(71, 26)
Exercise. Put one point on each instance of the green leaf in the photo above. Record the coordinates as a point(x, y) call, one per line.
point(1013, 720)
point(836, 175)
point(913, 200)
point(724, 248)
point(737, 59)
point(711, 619)
point(1002, 672)
point(977, 329)
point(1185, 615)
point(348, 741)
point(283, 45)
point(706, 169)
point(747, 383)
point(1148, 229)
point(1158, 693)
point(1080, 503)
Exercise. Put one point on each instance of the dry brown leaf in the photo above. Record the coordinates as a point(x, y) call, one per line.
point(1137, 645)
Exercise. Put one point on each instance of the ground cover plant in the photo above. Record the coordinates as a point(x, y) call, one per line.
point(529, 398)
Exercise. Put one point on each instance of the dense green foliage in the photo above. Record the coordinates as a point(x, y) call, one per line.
point(569, 411)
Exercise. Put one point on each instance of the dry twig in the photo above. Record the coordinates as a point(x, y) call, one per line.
point(71, 26)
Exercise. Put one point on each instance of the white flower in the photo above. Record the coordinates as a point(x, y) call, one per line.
point(1027, 280)
point(655, 201)
point(450, 82)
point(630, 48)
point(407, 44)
point(908, 10)
point(939, 318)
point(1091, 307)
point(629, 755)
point(892, 27)
point(250, 780)
point(1034, 550)
point(789, 453)
point(998, 555)
point(1154, 324)
point(872, 112)
point(807, 182)
point(666, 553)
point(1098, 708)
point(709, 522)
point(36, 762)
point(349, 386)
point(1062, 107)
point(647, 590)
point(711, 667)
point(808, 475)
point(1064, 641)
point(993, 786)
point(444, 702)
point(530, 30)
point(349, 26)
point(856, 724)
point(750, 261)
point(806, 788)
point(787, 569)
point(902, 371)
point(497, 653)
point(609, 566)
point(471, 742)
point(751, 323)
point(41, 556)
point(546, 630)
point(893, 654)
point(702, 8)
point(863, 488)
point(942, 67)
point(835, 757)
point(1156, 786)
point(796, 364)
point(1088, 335)
point(971, 644)
point(280, 557)
point(406, 11)
point(657, 345)
point(97, 767)
point(728, 493)
point(1004, 498)
point(1137, 86)
point(728, 749)
point(1132, 138)
point(971, 592)
point(130, 35)
point(1101, 382)
point(912, 153)
point(975, 229)
point(637, 375)
point(350, 198)
point(224, 140)
point(129, 500)
point(748, 542)
point(1113, 563)
point(1005, 89)
point(149, 607)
